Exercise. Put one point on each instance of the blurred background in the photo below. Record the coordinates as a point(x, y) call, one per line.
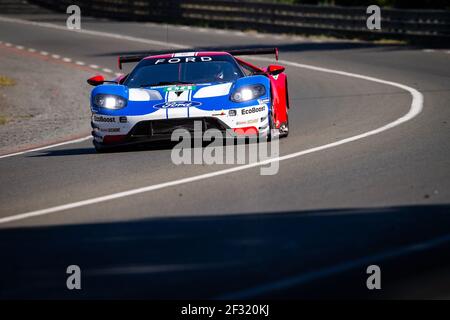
point(417, 22)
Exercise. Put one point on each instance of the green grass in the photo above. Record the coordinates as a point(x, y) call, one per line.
point(5, 81)
point(390, 41)
point(3, 120)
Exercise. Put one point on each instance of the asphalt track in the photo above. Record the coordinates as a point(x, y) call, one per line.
point(365, 200)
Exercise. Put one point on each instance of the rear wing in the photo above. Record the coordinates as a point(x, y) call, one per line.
point(239, 52)
point(129, 59)
point(249, 52)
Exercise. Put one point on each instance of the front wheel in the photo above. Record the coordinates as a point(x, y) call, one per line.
point(101, 148)
point(284, 128)
point(271, 127)
point(282, 132)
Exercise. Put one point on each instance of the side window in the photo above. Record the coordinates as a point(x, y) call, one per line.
point(248, 71)
point(121, 81)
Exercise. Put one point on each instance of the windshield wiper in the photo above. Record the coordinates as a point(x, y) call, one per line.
point(164, 83)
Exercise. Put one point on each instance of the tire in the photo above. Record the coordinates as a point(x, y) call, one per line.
point(271, 126)
point(101, 148)
point(284, 133)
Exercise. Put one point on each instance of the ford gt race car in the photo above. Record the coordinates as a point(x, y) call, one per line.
point(170, 91)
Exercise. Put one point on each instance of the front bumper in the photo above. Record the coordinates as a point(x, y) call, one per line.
point(117, 130)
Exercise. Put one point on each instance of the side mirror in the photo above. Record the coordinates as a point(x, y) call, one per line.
point(96, 80)
point(274, 69)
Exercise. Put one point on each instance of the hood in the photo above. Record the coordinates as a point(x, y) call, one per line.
point(205, 96)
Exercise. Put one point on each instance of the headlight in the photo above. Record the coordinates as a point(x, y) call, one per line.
point(247, 93)
point(109, 101)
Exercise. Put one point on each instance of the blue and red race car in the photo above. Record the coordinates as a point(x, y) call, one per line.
point(165, 92)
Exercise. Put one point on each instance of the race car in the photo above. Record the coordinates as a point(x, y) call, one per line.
point(165, 92)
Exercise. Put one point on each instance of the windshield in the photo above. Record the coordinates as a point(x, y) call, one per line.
point(153, 72)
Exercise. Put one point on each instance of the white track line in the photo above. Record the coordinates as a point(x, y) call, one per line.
point(83, 31)
point(55, 56)
point(415, 108)
point(45, 147)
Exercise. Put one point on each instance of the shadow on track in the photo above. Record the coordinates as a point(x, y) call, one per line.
point(315, 254)
point(149, 146)
point(83, 151)
point(64, 152)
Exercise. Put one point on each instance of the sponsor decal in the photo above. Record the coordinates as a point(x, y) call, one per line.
point(247, 122)
point(253, 109)
point(180, 88)
point(104, 119)
point(123, 119)
point(218, 114)
point(177, 104)
point(110, 130)
point(185, 54)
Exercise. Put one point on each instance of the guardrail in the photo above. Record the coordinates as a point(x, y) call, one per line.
point(416, 26)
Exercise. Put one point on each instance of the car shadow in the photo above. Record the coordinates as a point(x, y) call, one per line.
point(150, 146)
point(63, 152)
point(86, 151)
point(302, 254)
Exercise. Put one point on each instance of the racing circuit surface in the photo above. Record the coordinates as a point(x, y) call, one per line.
point(373, 197)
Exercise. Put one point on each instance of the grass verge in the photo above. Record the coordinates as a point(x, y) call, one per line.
point(6, 81)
